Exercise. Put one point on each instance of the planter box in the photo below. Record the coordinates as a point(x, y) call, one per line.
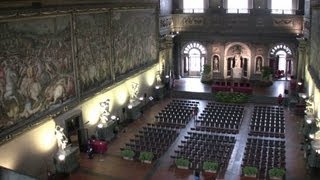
point(275, 178)
point(127, 158)
point(210, 171)
point(183, 167)
point(147, 162)
point(251, 176)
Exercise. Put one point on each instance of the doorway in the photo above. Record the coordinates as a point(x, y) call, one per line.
point(77, 136)
point(194, 59)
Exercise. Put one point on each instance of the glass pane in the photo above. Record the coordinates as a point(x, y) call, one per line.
point(238, 6)
point(281, 7)
point(193, 6)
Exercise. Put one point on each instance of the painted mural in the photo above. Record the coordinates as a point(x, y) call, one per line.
point(135, 42)
point(36, 70)
point(93, 49)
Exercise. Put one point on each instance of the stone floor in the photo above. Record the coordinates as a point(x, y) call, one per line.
point(111, 166)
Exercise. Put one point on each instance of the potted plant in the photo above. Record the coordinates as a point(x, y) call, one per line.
point(276, 173)
point(146, 157)
point(266, 73)
point(127, 154)
point(206, 75)
point(250, 171)
point(210, 166)
point(182, 163)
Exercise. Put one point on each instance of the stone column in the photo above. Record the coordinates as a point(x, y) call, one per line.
point(301, 58)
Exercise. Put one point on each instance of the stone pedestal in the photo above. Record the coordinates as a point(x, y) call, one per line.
point(70, 163)
point(236, 73)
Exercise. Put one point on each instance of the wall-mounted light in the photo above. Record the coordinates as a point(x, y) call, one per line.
point(311, 136)
point(299, 83)
point(129, 106)
point(157, 87)
point(167, 76)
point(100, 125)
point(62, 157)
point(309, 121)
point(141, 98)
point(113, 117)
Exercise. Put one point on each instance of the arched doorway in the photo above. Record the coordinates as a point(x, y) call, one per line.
point(281, 61)
point(237, 61)
point(193, 59)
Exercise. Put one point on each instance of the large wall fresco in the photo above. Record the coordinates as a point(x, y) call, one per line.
point(93, 49)
point(135, 42)
point(36, 69)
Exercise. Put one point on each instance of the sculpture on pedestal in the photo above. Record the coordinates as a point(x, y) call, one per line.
point(237, 67)
point(61, 138)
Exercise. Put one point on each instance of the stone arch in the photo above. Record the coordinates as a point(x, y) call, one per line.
point(192, 64)
point(233, 49)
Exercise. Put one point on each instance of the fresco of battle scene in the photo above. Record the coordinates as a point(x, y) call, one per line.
point(93, 49)
point(36, 70)
point(135, 41)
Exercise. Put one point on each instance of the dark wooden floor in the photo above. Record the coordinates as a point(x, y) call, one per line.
point(112, 166)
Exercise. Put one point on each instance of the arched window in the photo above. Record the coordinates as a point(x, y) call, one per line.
point(281, 7)
point(194, 56)
point(237, 6)
point(193, 6)
point(281, 61)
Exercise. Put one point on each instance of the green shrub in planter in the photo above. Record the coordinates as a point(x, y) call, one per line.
point(210, 166)
point(250, 171)
point(181, 162)
point(276, 172)
point(229, 97)
point(128, 153)
point(146, 156)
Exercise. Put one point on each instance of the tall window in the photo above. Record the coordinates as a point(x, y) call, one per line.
point(282, 60)
point(281, 7)
point(237, 6)
point(193, 6)
point(194, 54)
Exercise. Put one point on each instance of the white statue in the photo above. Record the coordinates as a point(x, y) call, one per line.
point(237, 61)
point(61, 137)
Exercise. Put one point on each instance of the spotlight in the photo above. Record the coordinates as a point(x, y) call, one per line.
point(61, 157)
point(311, 136)
point(304, 96)
point(309, 121)
point(100, 125)
point(129, 106)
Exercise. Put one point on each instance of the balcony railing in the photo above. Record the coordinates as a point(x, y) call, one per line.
point(193, 10)
point(283, 11)
point(238, 11)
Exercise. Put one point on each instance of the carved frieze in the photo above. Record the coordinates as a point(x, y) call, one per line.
point(165, 22)
point(193, 21)
point(283, 22)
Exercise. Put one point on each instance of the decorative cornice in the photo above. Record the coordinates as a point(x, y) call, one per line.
point(22, 13)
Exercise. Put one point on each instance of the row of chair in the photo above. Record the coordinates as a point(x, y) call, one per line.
point(154, 138)
point(264, 154)
point(267, 120)
point(199, 147)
